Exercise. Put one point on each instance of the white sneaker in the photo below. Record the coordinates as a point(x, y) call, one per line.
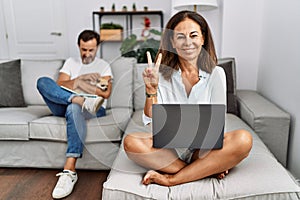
point(65, 184)
point(92, 105)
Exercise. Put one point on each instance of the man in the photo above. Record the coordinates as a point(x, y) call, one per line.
point(77, 74)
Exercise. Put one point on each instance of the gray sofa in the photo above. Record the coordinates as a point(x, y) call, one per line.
point(31, 137)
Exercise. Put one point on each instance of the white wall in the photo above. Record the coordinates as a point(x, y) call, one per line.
point(279, 66)
point(3, 41)
point(241, 38)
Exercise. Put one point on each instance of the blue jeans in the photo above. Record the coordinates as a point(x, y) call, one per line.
point(59, 102)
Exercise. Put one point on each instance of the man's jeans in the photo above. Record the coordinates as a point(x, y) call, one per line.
point(59, 102)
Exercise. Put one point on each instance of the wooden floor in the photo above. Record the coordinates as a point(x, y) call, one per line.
point(37, 184)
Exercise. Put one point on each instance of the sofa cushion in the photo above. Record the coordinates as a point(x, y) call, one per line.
point(121, 95)
point(259, 176)
point(124, 182)
point(14, 121)
point(103, 129)
point(11, 85)
point(31, 71)
point(270, 123)
point(228, 64)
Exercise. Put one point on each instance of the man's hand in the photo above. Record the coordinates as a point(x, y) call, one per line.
point(89, 77)
point(82, 80)
point(85, 86)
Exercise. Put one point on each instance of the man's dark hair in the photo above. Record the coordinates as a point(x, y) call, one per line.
point(87, 35)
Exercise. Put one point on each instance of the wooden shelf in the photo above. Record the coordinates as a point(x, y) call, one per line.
point(111, 41)
point(150, 12)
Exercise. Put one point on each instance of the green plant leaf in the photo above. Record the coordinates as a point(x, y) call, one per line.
point(155, 32)
point(111, 26)
point(131, 47)
point(128, 45)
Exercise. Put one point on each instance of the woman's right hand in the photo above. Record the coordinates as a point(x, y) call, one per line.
point(150, 74)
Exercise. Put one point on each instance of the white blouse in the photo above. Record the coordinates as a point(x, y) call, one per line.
point(210, 89)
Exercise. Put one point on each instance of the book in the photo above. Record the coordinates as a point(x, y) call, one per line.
point(79, 93)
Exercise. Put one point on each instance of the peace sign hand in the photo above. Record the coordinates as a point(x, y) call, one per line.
point(150, 74)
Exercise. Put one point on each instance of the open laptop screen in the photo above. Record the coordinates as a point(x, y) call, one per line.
point(197, 126)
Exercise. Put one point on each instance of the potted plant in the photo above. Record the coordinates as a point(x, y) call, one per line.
point(132, 47)
point(111, 31)
point(133, 7)
point(124, 8)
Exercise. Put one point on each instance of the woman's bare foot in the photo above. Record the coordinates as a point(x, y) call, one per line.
point(165, 179)
point(155, 177)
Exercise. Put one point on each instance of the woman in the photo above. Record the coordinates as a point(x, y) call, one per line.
point(187, 74)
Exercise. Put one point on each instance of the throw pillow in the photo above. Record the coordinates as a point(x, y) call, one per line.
point(228, 64)
point(10, 84)
point(121, 94)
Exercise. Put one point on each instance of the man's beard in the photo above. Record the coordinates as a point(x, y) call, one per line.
point(87, 59)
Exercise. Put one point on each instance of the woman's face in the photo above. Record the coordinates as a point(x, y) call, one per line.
point(188, 40)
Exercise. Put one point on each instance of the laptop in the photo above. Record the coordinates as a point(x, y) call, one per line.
point(196, 126)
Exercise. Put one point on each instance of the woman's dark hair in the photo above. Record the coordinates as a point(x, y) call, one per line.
point(207, 59)
point(87, 35)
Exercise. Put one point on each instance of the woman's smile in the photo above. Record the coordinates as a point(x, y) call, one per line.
point(189, 50)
